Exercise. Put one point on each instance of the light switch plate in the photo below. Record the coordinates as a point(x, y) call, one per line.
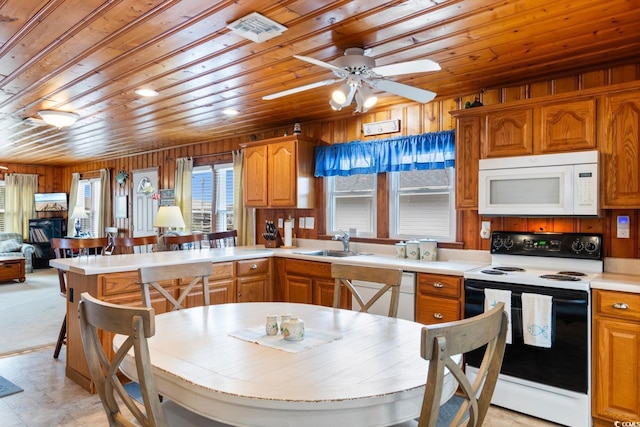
point(280, 222)
point(623, 227)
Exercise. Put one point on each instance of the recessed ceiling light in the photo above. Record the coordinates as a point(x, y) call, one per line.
point(230, 112)
point(146, 92)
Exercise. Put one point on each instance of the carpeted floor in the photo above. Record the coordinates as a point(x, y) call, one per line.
point(31, 312)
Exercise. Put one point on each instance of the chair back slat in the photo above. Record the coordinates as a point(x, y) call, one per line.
point(222, 239)
point(134, 245)
point(345, 275)
point(178, 243)
point(150, 277)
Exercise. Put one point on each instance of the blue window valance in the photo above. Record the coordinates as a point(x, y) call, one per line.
point(434, 150)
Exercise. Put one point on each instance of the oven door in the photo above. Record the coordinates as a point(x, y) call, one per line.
point(566, 364)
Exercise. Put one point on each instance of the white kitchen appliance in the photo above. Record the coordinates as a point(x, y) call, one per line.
point(554, 382)
point(406, 299)
point(541, 185)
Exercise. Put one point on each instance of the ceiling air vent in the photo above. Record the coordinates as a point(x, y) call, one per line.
point(256, 27)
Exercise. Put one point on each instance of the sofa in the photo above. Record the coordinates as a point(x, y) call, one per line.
point(12, 244)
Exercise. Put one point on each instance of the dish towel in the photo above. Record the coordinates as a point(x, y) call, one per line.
point(493, 297)
point(536, 319)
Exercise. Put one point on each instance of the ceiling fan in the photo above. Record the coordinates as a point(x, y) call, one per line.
point(359, 73)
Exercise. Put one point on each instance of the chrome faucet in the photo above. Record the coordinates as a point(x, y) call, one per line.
point(345, 238)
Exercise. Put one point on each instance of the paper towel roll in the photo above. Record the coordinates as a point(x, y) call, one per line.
point(288, 232)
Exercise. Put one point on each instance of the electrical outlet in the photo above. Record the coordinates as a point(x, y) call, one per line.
point(485, 231)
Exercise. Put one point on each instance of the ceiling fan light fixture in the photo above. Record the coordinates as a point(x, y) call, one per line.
point(59, 119)
point(368, 99)
point(334, 105)
point(341, 94)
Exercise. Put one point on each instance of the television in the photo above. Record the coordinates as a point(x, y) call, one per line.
point(51, 202)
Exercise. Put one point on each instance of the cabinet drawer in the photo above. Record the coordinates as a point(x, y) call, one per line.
point(439, 284)
point(221, 270)
point(118, 283)
point(250, 267)
point(621, 305)
point(430, 310)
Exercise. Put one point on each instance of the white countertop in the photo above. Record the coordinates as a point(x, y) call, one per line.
point(617, 282)
point(91, 265)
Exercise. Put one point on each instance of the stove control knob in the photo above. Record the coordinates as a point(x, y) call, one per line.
point(591, 247)
point(508, 244)
point(497, 242)
point(577, 246)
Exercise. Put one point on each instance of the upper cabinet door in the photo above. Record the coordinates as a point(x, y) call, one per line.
point(467, 160)
point(282, 174)
point(619, 127)
point(509, 133)
point(566, 126)
point(255, 176)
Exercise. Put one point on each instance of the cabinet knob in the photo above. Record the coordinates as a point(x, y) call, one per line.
point(254, 266)
point(438, 316)
point(438, 285)
point(620, 306)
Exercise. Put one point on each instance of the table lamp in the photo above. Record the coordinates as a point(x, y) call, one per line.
point(78, 214)
point(169, 217)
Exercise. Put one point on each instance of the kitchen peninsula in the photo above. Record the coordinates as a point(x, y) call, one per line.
point(239, 274)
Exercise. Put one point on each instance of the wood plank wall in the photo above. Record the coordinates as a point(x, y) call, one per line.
point(414, 119)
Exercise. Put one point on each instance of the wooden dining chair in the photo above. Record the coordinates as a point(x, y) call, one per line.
point(188, 241)
point(222, 239)
point(390, 278)
point(198, 272)
point(138, 324)
point(66, 248)
point(442, 341)
point(134, 245)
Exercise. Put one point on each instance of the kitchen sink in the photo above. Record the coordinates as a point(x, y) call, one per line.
point(327, 252)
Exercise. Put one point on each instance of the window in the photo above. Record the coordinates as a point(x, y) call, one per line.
point(421, 204)
point(2, 204)
point(201, 199)
point(89, 198)
point(351, 204)
point(212, 210)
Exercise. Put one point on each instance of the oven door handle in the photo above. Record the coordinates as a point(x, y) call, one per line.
point(579, 301)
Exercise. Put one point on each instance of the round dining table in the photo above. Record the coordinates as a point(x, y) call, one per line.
point(350, 368)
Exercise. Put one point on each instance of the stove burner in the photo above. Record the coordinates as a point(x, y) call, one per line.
point(509, 268)
point(560, 277)
point(494, 272)
point(572, 273)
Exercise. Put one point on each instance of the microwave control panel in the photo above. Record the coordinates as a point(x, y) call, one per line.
point(585, 188)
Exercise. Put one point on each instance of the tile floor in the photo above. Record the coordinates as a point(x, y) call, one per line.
point(50, 399)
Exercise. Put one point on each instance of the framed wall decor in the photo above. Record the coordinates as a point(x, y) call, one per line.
point(121, 207)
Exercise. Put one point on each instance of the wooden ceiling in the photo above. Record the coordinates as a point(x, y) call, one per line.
point(88, 56)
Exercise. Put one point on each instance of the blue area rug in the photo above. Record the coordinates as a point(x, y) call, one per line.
point(133, 389)
point(7, 387)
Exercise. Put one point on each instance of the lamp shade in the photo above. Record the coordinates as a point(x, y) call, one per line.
point(79, 212)
point(59, 119)
point(169, 216)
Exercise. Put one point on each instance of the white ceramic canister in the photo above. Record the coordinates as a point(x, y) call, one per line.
point(271, 327)
point(284, 318)
point(293, 329)
point(428, 249)
point(413, 249)
point(401, 250)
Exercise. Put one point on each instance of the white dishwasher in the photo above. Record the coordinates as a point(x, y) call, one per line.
point(406, 303)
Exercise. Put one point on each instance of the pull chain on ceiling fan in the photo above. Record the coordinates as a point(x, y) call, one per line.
point(360, 75)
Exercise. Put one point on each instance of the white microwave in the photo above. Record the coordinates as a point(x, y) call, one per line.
point(540, 185)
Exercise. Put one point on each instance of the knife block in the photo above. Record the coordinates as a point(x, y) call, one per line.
point(276, 243)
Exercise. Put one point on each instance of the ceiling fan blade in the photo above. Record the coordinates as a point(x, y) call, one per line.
point(419, 66)
point(299, 89)
point(406, 91)
point(320, 63)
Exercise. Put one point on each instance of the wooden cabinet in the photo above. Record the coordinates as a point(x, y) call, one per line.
point(508, 133)
point(438, 298)
point(619, 128)
point(253, 280)
point(616, 357)
point(467, 158)
point(278, 173)
point(565, 126)
point(310, 282)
